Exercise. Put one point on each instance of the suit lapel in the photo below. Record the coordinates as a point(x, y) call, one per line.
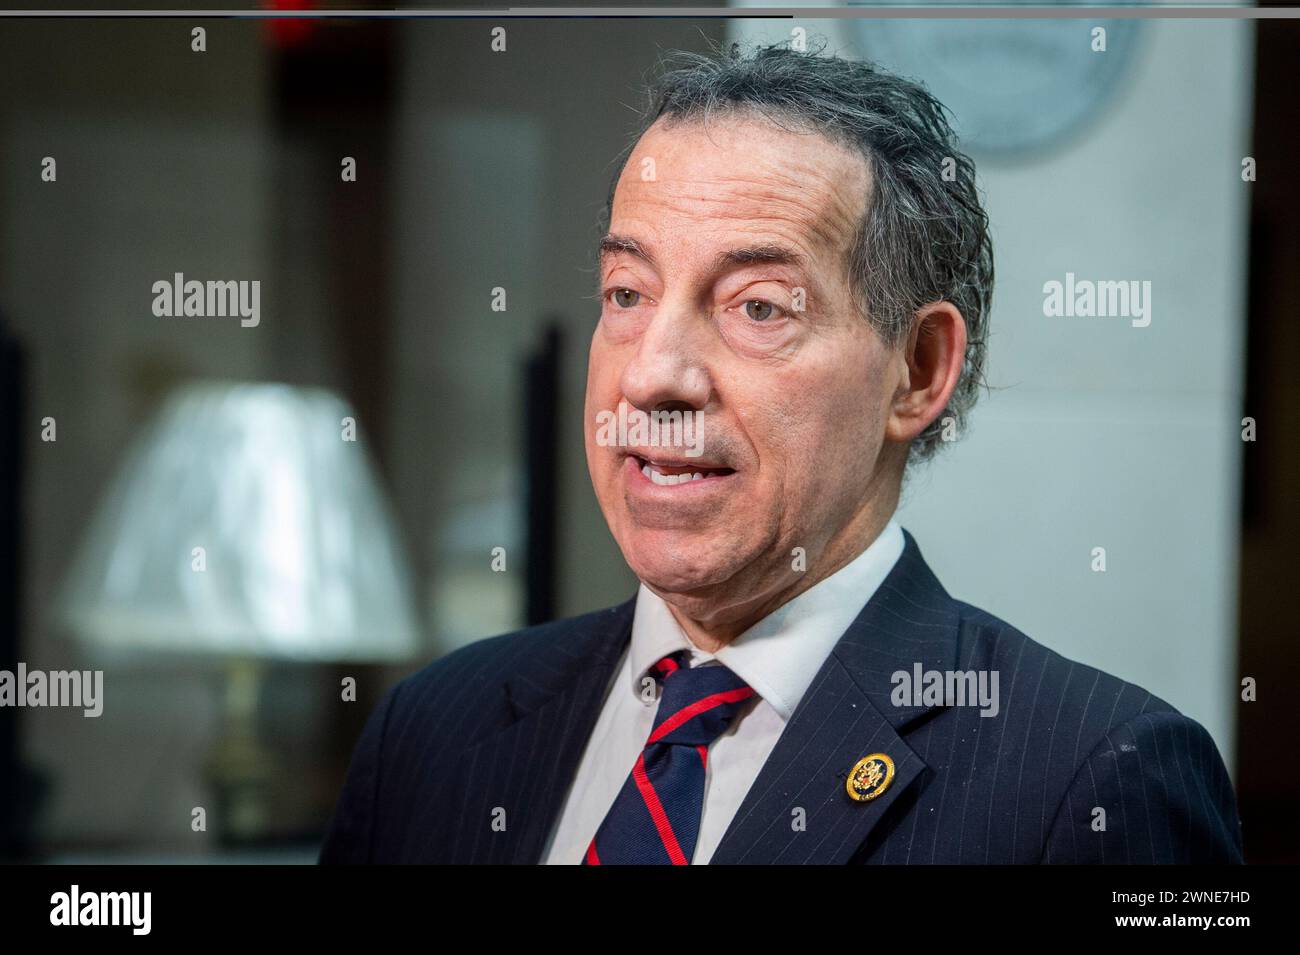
point(551, 706)
point(845, 715)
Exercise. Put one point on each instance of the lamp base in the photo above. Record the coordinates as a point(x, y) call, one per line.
point(240, 769)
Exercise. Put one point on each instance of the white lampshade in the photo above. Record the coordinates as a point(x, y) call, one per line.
point(299, 557)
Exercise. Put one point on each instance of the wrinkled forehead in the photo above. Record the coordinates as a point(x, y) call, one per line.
point(741, 171)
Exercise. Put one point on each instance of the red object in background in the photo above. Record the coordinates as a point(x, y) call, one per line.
point(289, 32)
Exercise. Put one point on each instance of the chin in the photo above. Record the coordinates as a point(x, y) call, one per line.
point(681, 563)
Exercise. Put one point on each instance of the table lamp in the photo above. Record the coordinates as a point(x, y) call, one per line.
point(246, 525)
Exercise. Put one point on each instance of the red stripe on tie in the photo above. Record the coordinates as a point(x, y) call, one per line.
point(657, 812)
point(704, 755)
point(592, 858)
point(666, 666)
point(687, 713)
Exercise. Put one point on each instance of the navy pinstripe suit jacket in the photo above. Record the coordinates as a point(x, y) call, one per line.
point(500, 726)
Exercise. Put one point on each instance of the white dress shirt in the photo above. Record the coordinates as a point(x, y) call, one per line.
point(779, 657)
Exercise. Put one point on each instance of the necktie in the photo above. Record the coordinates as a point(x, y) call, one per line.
point(655, 819)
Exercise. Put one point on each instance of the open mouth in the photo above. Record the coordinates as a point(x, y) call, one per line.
point(666, 473)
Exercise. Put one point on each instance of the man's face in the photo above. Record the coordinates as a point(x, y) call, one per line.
point(725, 291)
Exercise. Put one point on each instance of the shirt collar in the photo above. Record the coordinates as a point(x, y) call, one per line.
point(780, 655)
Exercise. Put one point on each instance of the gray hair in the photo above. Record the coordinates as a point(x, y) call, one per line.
point(924, 237)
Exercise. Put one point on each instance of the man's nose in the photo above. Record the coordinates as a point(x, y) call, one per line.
point(669, 367)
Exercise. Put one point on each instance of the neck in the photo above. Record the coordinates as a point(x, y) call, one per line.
point(712, 633)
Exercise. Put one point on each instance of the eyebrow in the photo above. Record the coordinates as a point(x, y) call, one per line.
point(759, 255)
point(613, 244)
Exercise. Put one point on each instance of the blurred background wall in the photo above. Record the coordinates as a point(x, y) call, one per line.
point(163, 158)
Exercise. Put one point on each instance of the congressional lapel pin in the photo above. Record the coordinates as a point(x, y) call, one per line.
point(870, 776)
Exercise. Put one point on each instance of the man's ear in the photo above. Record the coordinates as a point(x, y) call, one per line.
point(934, 353)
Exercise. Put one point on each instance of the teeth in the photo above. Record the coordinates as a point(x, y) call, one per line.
point(669, 479)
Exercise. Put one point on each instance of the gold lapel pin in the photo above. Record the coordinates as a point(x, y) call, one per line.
point(870, 776)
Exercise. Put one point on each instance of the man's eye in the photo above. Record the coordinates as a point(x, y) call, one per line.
point(625, 297)
point(760, 311)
